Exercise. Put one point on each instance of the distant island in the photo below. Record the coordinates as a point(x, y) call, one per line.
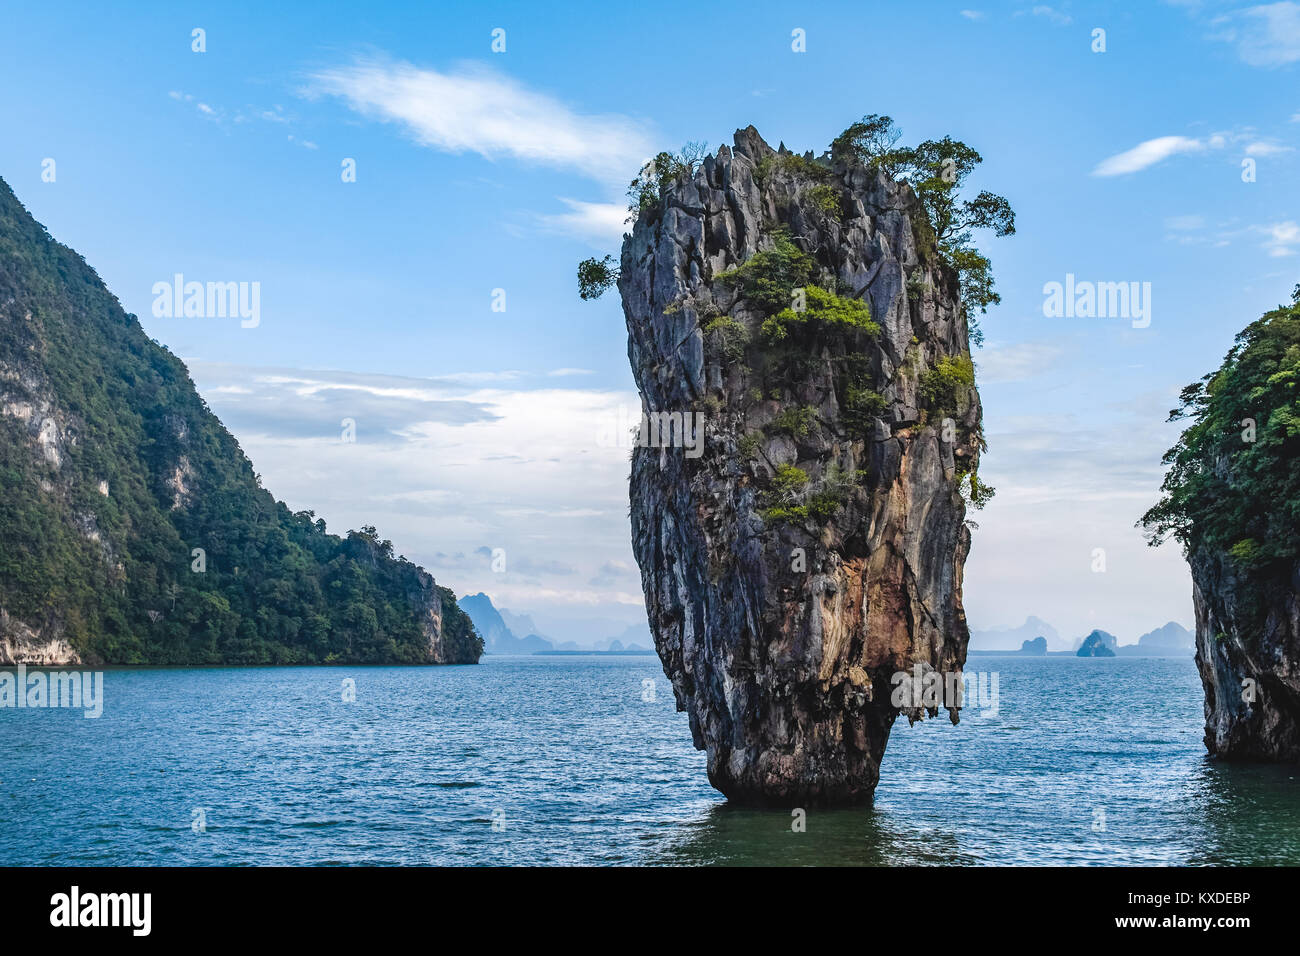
point(500, 628)
point(1168, 640)
point(1098, 644)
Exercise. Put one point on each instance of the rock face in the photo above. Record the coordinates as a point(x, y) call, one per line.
point(782, 633)
point(1249, 663)
point(20, 644)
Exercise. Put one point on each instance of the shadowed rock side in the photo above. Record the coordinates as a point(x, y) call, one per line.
point(1249, 661)
point(781, 633)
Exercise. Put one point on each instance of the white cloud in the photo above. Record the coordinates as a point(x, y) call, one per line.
point(451, 466)
point(1059, 17)
point(603, 223)
point(1282, 238)
point(1265, 148)
point(1015, 363)
point(1066, 486)
point(1269, 34)
point(973, 14)
point(1146, 154)
point(476, 109)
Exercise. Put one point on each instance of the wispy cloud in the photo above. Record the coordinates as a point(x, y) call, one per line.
point(1265, 148)
point(1147, 153)
point(1185, 223)
point(1016, 363)
point(1267, 35)
point(477, 109)
point(1281, 238)
point(1049, 507)
point(602, 223)
point(1052, 15)
point(448, 466)
point(973, 14)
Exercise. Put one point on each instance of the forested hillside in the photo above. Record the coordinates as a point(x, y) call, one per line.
point(134, 528)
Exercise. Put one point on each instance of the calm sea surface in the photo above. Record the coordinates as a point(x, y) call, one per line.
point(560, 760)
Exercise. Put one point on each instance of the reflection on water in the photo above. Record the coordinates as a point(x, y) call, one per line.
point(1245, 815)
point(567, 761)
point(1086, 762)
point(734, 836)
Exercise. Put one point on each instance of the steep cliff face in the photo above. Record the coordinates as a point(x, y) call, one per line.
point(809, 546)
point(1231, 497)
point(1249, 662)
point(133, 528)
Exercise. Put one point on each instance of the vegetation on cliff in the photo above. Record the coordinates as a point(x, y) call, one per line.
point(802, 309)
point(805, 318)
point(113, 471)
point(937, 171)
point(1232, 487)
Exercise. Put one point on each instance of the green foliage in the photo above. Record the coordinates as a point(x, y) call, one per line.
point(596, 277)
point(1224, 492)
point(726, 338)
point(278, 589)
point(944, 387)
point(644, 195)
point(871, 142)
point(797, 422)
point(827, 201)
point(1246, 552)
point(975, 493)
point(711, 405)
point(791, 498)
point(651, 185)
point(768, 278)
point(748, 444)
point(862, 406)
point(975, 274)
point(793, 164)
point(784, 500)
point(822, 311)
point(937, 170)
point(836, 486)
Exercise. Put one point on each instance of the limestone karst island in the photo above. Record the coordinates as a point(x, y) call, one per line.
point(608, 439)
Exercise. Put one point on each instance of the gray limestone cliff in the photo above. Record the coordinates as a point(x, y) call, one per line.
point(1231, 497)
point(1249, 662)
point(809, 546)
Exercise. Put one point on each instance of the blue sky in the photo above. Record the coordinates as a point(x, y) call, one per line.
point(480, 171)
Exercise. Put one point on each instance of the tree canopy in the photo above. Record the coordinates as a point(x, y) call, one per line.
point(937, 171)
point(1232, 486)
point(102, 542)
